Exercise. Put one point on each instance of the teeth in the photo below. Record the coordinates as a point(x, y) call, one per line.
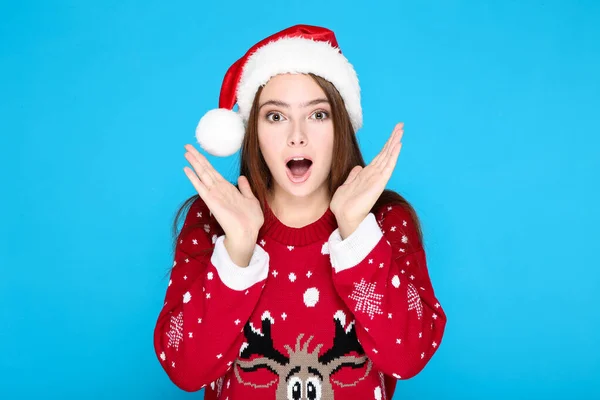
point(298, 158)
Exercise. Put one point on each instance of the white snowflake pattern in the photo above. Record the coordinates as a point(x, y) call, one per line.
point(292, 277)
point(396, 281)
point(367, 300)
point(414, 301)
point(290, 248)
point(308, 274)
point(209, 276)
point(175, 332)
point(206, 228)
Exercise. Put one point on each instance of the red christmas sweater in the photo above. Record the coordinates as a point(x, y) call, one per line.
point(311, 317)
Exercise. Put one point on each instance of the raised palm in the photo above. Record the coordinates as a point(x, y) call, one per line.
point(353, 200)
point(238, 212)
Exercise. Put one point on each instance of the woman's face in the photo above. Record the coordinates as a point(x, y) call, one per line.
point(294, 120)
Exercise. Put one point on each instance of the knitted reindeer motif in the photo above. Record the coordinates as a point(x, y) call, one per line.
point(302, 374)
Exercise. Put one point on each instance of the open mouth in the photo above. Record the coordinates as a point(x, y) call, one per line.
point(299, 170)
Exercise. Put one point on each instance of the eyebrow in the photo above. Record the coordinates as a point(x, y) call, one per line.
point(283, 104)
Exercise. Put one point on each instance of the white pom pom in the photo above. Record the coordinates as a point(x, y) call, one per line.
point(220, 132)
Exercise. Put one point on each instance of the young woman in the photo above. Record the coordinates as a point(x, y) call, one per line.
point(308, 279)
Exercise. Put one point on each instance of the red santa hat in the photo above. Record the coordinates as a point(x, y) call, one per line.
point(298, 49)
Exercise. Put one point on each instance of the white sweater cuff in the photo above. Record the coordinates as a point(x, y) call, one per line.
point(351, 251)
point(234, 276)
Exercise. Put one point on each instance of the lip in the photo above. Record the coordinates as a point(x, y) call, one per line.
point(287, 160)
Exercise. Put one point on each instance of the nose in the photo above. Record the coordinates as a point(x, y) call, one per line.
point(297, 136)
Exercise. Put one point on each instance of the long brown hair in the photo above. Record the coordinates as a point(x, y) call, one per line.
point(345, 148)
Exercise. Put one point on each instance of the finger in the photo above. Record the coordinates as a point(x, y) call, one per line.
point(244, 187)
point(198, 185)
point(378, 158)
point(204, 162)
point(201, 170)
point(395, 139)
point(391, 163)
point(353, 174)
point(375, 161)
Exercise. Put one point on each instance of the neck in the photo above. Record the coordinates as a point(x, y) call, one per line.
point(297, 212)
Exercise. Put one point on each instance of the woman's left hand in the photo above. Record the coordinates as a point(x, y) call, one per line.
point(353, 200)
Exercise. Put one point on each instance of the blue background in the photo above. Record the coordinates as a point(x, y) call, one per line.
point(500, 101)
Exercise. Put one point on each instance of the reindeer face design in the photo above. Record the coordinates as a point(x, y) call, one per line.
point(302, 374)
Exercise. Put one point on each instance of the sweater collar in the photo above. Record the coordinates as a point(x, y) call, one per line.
point(318, 230)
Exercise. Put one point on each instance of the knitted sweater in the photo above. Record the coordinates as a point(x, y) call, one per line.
point(311, 317)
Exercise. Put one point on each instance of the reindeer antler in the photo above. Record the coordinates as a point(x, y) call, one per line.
point(260, 343)
point(344, 342)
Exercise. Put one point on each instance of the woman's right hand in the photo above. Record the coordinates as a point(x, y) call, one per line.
point(238, 212)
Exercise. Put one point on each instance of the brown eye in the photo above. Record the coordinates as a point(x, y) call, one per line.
point(274, 117)
point(320, 115)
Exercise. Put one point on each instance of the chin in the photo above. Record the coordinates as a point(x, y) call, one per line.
point(311, 185)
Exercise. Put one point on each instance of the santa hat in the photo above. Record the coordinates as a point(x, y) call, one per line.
point(298, 49)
